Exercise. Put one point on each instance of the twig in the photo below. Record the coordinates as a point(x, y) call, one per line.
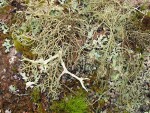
point(65, 71)
point(81, 80)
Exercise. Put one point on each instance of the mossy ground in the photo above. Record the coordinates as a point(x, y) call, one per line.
point(71, 104)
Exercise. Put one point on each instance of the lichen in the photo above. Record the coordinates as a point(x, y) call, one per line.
point(3, 27)
point(3, 3)
point(7, 45)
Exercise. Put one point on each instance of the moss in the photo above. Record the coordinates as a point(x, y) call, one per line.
point(24, 49)
point(40, 108)
point(35, 95)
point(75, 104)
point(141, 17)
point(36, 99)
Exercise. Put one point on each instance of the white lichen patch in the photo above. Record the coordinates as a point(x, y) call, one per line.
point(3, 27)
point(7, 45)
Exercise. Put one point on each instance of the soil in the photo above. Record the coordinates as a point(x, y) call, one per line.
point(18, 101)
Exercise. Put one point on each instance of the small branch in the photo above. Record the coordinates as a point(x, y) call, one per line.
point(58, 55)
point(81, 80)
point(42, 61)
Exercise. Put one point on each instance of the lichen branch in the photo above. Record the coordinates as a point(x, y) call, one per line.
point(81, 80)
point(65, 71)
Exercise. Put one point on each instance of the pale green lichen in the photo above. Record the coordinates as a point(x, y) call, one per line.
point(12, 89)
point(3, 27)
point(7, 45)
point(3, 3)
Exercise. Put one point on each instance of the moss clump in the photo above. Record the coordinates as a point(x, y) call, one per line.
point(35, 95)
point(36, 99)
point(141, 17)
point(75, 104)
